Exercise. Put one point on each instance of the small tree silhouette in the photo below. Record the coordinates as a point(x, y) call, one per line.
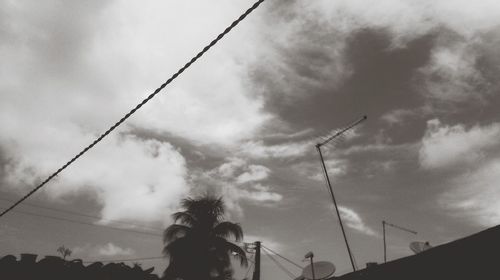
point(65, 252)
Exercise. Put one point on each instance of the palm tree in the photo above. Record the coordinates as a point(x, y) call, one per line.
point(198, 246)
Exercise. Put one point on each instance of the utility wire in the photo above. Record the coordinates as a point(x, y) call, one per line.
point(281, 256)
point(91, 224)
point(126, 260)
point(138, 106)
point(83, 215)
point(278, 264)
point(82, 223)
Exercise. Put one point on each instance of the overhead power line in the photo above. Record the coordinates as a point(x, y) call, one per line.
point(138, 106)
point(127, 260)
point(96, 225)
point(84, 215)
point(81, 222)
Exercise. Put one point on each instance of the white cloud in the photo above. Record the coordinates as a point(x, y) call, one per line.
point(231, 166)
point(354, 221)
point(260, 193)
point(237, 181)
point(254, 173)
point(107, 250)
point(335, 168)
point(111, 249)
point(411, 18)
point(133, 179)
point(258, 150)
point(446, 146)
point(452, 74)
point(211, 103)
point(474, 195)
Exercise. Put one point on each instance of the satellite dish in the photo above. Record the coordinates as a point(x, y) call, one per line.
point(418, 246)
point(321, 270)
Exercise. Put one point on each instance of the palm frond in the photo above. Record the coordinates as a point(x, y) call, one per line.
point(227, 229)
point(175, 231)
point(206, 208)
point(185, 218)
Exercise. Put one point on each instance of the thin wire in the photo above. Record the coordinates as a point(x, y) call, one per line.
point(281, 256)
point(83, 215)
point(97, 225)
point(126, 260)
point(138, 106)
point(278, 264)
point(82, 223)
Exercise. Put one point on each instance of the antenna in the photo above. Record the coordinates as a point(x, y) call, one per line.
point(384, 223)
point(318, 147)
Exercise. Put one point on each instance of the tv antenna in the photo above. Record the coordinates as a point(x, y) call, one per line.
point(318, 147)
point(384, 223)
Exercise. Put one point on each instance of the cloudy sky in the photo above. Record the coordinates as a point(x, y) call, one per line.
point(243, 121)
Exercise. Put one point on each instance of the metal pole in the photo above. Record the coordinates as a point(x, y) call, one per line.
point(256, 271)
point(318, 147)
point(384, 224)
point(385, 250)
point(312, 268)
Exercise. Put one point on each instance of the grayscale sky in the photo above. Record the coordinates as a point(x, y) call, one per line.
point(243, 121)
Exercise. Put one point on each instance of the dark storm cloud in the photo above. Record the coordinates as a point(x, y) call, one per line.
point(380, 80)
point(344, 61)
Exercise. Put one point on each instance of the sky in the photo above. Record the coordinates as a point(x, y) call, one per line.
point(242, 123)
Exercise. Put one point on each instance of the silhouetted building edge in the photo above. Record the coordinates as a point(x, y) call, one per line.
point(473, 257)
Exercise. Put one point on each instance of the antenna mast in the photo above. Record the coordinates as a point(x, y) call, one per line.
point(384, 223)
point(318, 147)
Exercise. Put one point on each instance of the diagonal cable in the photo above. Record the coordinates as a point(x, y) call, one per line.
point(138, 106)
point(278, 264)
point(281, 256)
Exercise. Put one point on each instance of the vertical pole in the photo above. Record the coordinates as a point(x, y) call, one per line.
point(385, 247)
point(256, 271)
point(312, 268)
point(318, 147)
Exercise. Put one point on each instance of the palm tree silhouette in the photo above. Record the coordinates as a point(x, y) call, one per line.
point(198, 247)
